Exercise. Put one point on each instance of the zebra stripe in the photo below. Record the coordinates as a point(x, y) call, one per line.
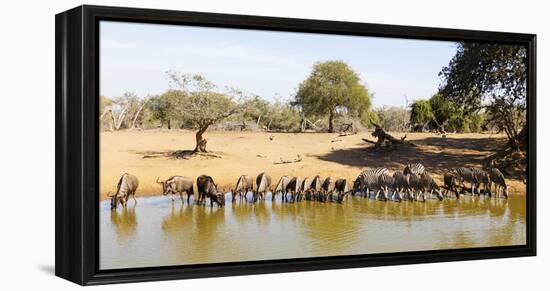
point(368, 180)
point(416, 168)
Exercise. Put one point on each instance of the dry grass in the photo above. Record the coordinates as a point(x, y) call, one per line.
point(146, 154)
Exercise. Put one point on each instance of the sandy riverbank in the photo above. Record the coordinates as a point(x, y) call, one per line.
point(143, 153)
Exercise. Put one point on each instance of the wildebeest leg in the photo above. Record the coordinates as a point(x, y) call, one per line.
point(188, 196)
point(134, 196)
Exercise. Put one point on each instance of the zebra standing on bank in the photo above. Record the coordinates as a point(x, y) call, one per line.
point(416, 168)
point(466, 175)
point(368, 180)
point(500, 183)
point(482, 177)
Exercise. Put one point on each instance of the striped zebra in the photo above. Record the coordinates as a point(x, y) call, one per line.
point(416, 168)
point(368, 180)
point(500, 183)
point(385, 185)
point(482, 177)
point(466, 175)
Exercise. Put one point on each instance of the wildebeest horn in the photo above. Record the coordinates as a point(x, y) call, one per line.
point(109, 195)
point(158, 180)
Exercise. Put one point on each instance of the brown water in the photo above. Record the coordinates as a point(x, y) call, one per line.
point(159, 232)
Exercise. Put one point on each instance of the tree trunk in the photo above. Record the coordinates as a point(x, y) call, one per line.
point(169, 125)
point(137, 115)
point(331, 122)
point(200, 141)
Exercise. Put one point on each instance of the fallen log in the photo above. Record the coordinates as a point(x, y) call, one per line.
point(386, 140)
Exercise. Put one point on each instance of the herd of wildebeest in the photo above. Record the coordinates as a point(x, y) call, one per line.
point(414, 183)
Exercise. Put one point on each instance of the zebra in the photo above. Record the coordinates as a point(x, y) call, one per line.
point(428, 184)
point(401, 185)
point(482, 177)
point(500, 183)
point(466, 175)
point(450, 181)
point(385, 185)
point(368, 180)
point(416, 168)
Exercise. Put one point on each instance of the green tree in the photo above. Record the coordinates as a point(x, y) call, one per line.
point(491, 77)
point(162, 107)
point(332, 88)
point(421, 114)
point(202, 105)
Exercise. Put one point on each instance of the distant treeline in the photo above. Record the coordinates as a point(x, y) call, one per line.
point(483, 88)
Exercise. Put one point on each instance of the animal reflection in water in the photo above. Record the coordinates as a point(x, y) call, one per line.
point(125, 221)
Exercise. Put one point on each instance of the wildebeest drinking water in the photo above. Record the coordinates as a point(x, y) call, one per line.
point(294, 187)
point(341, 188)
point(280, 188)
point(263, 185)
point(326, 189)
point(244, 184)
point(500, 183)
point(207, 188)
point(179, 185)
point(126, 187)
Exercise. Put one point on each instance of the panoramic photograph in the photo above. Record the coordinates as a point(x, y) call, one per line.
point(230, 145)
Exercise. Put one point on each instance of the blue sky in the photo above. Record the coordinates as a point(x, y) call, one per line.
point(135, 57)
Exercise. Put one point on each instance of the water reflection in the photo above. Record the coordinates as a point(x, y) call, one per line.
point(125, 221)
point(171, 233)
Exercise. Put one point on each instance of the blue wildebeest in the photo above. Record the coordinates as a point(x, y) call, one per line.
point(341, 188)
point(263, 185)
point(294, 187)
point(500, 183)
point(281, 188)
point(126, 187)
point(326, 189)
point(207, 188)
point(244, 184)
point(179, 185)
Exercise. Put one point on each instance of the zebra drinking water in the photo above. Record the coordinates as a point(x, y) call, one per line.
point(368, 180)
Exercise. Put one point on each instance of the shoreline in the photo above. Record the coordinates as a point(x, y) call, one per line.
point(231, 154)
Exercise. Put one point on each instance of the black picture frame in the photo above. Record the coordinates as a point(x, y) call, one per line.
point(77, 134)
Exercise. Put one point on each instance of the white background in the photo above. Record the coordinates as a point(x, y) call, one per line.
point(27, 144)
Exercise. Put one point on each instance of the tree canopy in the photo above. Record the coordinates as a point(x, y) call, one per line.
point(201, 104)
point(492, 77)
point(332, 88)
